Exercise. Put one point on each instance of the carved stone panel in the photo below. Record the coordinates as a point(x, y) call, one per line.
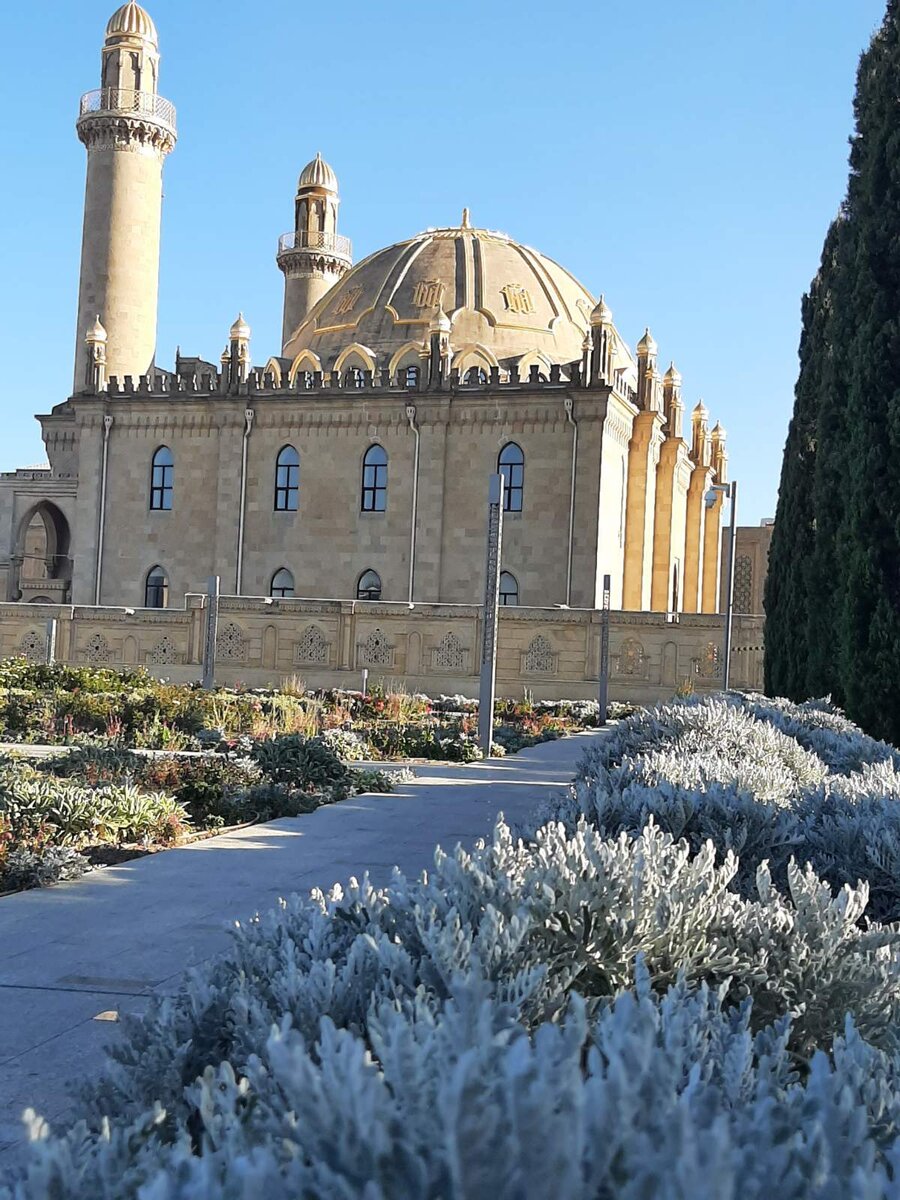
point(449, 657)
point(376, 651)
point(33, 646)
point(311, 649)
point(539, 658)
point(231, 645)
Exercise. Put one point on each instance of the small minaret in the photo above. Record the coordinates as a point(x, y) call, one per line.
point(236, 361)
point(439, 347)
point(672, 402)
point(602, 344)
point(700, 432)
point(127, 129)
point(314, 256)
point(648, 385)
point(95, 341)
point(719, 453)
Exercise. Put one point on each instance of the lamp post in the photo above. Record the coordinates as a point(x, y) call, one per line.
point(730, 490)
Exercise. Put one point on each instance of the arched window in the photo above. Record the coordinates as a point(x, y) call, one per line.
point(374, 481)
point(354, 377)
point(412, 377)
point(162, 479)
point(511, 465)
point(156, 589)
point(509, 588)
point(287, 480)
point(282, 583)
point(475, 377)
point(369, 586)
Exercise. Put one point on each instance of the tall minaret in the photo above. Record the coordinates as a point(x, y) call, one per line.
point(314, 256)
point(128, 129)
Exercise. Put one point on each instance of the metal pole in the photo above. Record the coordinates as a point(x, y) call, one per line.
point(365, 681)
point(603, 695)
point(489, 615)
point(212, 628)
point(729, 585)
point(52, 626)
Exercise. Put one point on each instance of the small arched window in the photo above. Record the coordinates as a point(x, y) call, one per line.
point(511, 465)
point(156, 589)
point(374, 481)
point(412, 377)
point(287, 480)
point(162, 480)
point(282, 584)
point(368, 586)
point(475, 377)
point(509, 588)
point(354, 377)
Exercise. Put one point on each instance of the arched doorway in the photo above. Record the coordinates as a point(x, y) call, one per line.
point(44, 564)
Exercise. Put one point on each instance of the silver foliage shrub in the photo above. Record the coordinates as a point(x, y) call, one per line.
point(599, 1010)
point(771, 780)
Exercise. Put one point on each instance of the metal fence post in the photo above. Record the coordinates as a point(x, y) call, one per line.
point(490, 614)
point(52, 629)
point(212, 628)
point(603, 693)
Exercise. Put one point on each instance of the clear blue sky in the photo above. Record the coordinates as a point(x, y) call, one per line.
point(685, 159)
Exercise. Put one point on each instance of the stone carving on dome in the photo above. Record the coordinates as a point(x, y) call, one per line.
point(632, 659)
point(33, 647)
point(539, 658)
point(376, 651)
point(163, 653)
point(312, 647)
point(449, 656)
point(428, 293)
point(518, 299)
point(96, 650)
point(231, 645)
point(348, 301)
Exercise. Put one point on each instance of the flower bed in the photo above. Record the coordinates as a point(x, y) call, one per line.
point(87, 705)
point(599, 1009)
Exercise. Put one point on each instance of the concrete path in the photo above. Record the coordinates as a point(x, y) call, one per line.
point(74, 955)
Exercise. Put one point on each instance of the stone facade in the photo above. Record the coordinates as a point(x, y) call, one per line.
point(439, 355)
point(431, 648)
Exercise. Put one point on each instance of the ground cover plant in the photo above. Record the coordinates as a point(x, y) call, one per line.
point(99, 706)
point(601, 1008)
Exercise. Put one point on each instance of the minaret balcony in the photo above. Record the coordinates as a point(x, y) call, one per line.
point(334, 245)
point(126, 102)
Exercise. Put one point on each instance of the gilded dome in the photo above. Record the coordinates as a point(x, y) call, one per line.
point(503, 300)
point(318, 174)
point(132, 21)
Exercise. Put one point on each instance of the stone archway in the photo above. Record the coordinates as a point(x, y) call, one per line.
point(42, 555)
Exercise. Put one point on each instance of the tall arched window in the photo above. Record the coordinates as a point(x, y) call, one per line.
point(156, 589)
point(511, 465)
point(509, 588)
point(368, 586)
point(162, 479)
point(411, 377)
point(287, 480)
point(282, 584)
point(374, 481)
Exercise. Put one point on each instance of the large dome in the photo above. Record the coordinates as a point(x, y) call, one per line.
point(504, 300)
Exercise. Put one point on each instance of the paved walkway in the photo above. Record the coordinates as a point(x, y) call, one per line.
point(103, 944)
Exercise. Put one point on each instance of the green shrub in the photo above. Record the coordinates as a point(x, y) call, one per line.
point(304, 763)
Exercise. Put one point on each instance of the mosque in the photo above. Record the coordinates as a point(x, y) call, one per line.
point(353, 462)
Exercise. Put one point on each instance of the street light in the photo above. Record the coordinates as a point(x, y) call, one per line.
point(729, 490)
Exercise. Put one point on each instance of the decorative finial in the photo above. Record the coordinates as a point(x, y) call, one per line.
point(465, 220)
point(440, 322)
point(96, 333)
point(240, 330)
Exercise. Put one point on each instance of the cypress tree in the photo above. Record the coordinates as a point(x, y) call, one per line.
point(833, 595)
point(791, 571)
point(868, 538)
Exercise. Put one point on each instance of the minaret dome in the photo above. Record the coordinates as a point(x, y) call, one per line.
point(318, 174)
point(132, 22)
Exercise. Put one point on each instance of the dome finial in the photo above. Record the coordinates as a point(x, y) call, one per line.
point(647, 344)
point(132, 22)
point(96, 333)
point(318, 174)
point(466, 223)
point(440, 322)
point(602, 314)
point(240, 330)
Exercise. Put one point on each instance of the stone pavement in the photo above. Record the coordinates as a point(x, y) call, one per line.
point(74, 955)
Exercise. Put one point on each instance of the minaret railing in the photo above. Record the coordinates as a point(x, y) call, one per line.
point(314, 239)
point(119, 101)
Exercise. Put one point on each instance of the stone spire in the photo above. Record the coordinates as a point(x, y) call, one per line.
point(314, 256)
point(127, 129)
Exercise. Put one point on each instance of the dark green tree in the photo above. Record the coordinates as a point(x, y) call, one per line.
point(791, 567)
point(868, 539)
point(833, 595)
